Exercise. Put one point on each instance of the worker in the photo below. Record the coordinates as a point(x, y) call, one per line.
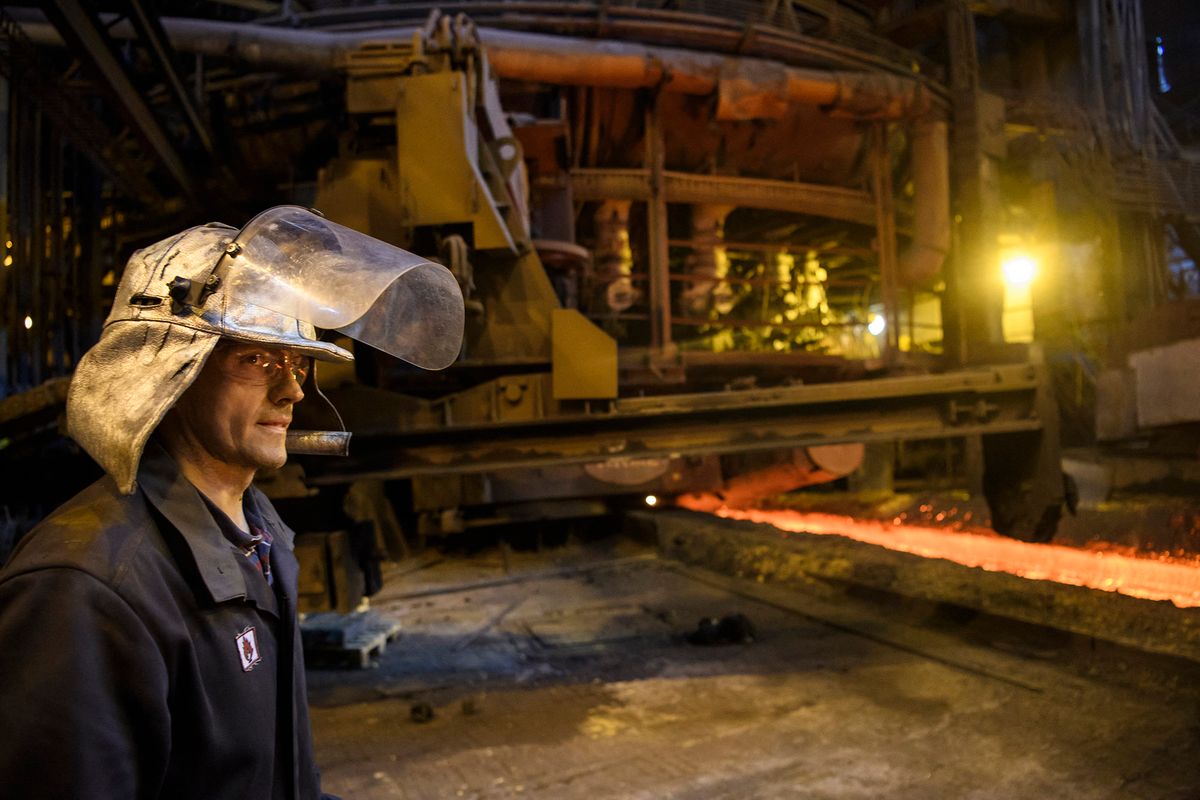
point(149, 644)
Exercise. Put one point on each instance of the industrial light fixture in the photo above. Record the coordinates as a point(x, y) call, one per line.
point(1019, 269)
point(1160, 53)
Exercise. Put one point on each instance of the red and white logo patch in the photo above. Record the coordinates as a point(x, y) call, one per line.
point(247, 647)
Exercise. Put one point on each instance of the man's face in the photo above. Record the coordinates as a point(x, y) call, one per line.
point(239, 407)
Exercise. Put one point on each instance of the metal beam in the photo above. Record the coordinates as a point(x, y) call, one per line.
point(257, 6)
point(387, 459)
point(656, 228)
point(965, 311)
point(834, 202)
point(150, 29)
point(976, 402)
point(1038, 12)
point(80, 26)
point(885, 211)
point(76, 122)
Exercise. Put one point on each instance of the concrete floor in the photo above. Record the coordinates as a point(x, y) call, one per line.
point(569, 676)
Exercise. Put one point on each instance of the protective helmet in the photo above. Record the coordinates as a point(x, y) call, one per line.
point(286, 273)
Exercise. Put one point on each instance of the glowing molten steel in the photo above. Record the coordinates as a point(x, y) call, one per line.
point(1149, 578)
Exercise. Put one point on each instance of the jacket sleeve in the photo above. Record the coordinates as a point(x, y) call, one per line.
point(84, 691)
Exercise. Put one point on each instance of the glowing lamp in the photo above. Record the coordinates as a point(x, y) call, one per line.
point(876, 326)
point(1019, 269)
point(651, 500)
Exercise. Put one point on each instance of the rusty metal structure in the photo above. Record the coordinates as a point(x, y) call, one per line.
point(704, 244)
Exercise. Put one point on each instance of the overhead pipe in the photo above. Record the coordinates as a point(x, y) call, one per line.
point(259, 46)
point(586, 62)
point(629, 65)
point(550, 59)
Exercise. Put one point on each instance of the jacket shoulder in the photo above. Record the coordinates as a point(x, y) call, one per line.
point(92, 532)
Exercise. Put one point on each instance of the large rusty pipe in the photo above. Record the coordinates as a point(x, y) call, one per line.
point(546, 58)
point(258, 46)
point(710, 262)
point(925, 255)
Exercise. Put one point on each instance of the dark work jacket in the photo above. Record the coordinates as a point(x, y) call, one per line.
point(125, 670)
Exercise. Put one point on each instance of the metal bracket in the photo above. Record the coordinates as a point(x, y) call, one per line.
point(188, 295)
point(961, 412)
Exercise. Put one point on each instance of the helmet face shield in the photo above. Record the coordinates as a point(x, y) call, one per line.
point(296, 263)
point(284, 274)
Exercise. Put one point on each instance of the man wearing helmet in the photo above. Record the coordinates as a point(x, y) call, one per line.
point(148, 634)
point(234, 419)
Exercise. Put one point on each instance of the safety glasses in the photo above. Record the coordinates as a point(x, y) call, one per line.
point(260, 365)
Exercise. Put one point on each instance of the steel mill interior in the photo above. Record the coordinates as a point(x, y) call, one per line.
point(826, 422)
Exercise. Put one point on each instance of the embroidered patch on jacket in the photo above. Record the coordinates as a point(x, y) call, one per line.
point(247, 646)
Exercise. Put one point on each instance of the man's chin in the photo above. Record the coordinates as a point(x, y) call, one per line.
point(266, 449)
point(265, 460)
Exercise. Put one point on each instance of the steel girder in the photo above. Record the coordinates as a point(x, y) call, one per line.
point(80, 26)
point(995, 400)
point(77, 123)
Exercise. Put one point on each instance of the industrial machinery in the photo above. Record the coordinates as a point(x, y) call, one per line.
point(682, 272)
point(707, 249)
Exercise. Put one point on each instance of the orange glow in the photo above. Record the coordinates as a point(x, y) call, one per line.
point(1150, 578)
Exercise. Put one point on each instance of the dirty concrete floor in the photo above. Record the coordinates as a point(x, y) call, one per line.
point(567, 674)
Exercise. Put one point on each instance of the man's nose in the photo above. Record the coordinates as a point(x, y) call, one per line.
point(287, 389)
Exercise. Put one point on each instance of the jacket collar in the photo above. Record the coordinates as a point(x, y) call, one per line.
point(283, 559)
point(176, 499)
point(270, 518)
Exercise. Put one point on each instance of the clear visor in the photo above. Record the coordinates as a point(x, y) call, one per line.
point(297, 263)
